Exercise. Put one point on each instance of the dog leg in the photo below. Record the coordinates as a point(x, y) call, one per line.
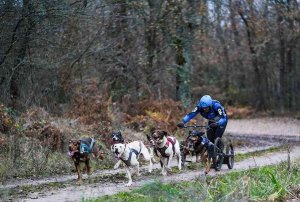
point(179, 161)
point(88, 167)
point(206, 161)
point(178, 154)
point(129, 176)
point(183, 160)
point(138, 170)
point(151, 152)
point(148, 156)
point(198, 158)
point(150, 166)
point(77, 166)
point(164, 169)
point(117, 165)
point(169, 169)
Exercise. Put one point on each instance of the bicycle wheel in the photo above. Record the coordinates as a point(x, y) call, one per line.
point(218, 154)
point(230, 155)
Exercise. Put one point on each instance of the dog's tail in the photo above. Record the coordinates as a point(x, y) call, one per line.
point(145, 151)
point(97, 151)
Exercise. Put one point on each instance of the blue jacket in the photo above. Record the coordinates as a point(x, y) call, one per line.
point(216, 114)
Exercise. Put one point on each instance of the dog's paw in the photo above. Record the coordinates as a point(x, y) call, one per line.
point(153, 159)
point(206, 171)
point(79, 182)
point(169, 169)
point(164, 173)
point(116, 166)
point(128, 184)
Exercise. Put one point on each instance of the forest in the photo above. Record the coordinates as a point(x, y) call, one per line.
point(244, 53)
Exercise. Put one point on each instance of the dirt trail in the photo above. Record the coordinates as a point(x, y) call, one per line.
point(76, 193)
point(275, 128)
point(267, 130)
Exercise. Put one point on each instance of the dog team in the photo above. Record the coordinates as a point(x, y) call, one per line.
point(164, 146)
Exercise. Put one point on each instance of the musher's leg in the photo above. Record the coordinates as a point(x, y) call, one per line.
point(213, 133)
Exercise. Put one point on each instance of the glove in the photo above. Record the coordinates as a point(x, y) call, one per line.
point(213, 125)
point(180, 125)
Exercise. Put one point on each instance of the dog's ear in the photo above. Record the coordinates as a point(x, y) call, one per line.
point(164, 133)
point(155, 134)
point(148, 137)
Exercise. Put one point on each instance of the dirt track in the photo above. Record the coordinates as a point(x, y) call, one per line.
point(98, 189)
point(276, 128)
point(258, 128)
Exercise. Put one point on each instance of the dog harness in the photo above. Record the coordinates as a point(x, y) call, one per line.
point(162, 150)
point(84, 147)
point(127, 162)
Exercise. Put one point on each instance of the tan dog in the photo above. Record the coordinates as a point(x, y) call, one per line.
point(129, 155)
point(165, 148)
point(193, 145)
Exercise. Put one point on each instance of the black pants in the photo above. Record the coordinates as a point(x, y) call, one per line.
point(213, 133)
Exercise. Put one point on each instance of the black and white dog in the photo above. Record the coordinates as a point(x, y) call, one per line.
point(166, 147)
point(117, 137)
point(129, 155)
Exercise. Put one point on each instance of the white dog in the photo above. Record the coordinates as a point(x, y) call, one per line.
point(166, 147)
point(129, 155)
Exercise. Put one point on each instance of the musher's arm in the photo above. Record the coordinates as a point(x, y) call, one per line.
point(190, 115)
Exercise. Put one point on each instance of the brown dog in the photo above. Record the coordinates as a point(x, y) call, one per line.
point(81, 151)
point(193, 146)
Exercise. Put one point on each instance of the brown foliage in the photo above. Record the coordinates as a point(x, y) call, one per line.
point(239, 112)
point(51, 137)
point(158, 114)
point(37, 125)
point(89, 105)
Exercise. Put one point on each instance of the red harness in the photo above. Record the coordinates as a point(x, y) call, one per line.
point(162, 150)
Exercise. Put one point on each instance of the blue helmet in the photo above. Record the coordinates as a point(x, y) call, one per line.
point(205, 101)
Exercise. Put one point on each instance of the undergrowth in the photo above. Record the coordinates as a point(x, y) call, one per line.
point(270, 183)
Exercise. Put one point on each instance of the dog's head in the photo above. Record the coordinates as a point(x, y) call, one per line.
point(118, 149)
point(117, 137)
point(150, 139)
point(195, 137)
point(74, 146)
point(159, 135)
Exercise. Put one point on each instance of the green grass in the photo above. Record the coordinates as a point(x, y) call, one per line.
point(270, 183)
point(240, 157)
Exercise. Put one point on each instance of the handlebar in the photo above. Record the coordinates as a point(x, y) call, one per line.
point(196, 126)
